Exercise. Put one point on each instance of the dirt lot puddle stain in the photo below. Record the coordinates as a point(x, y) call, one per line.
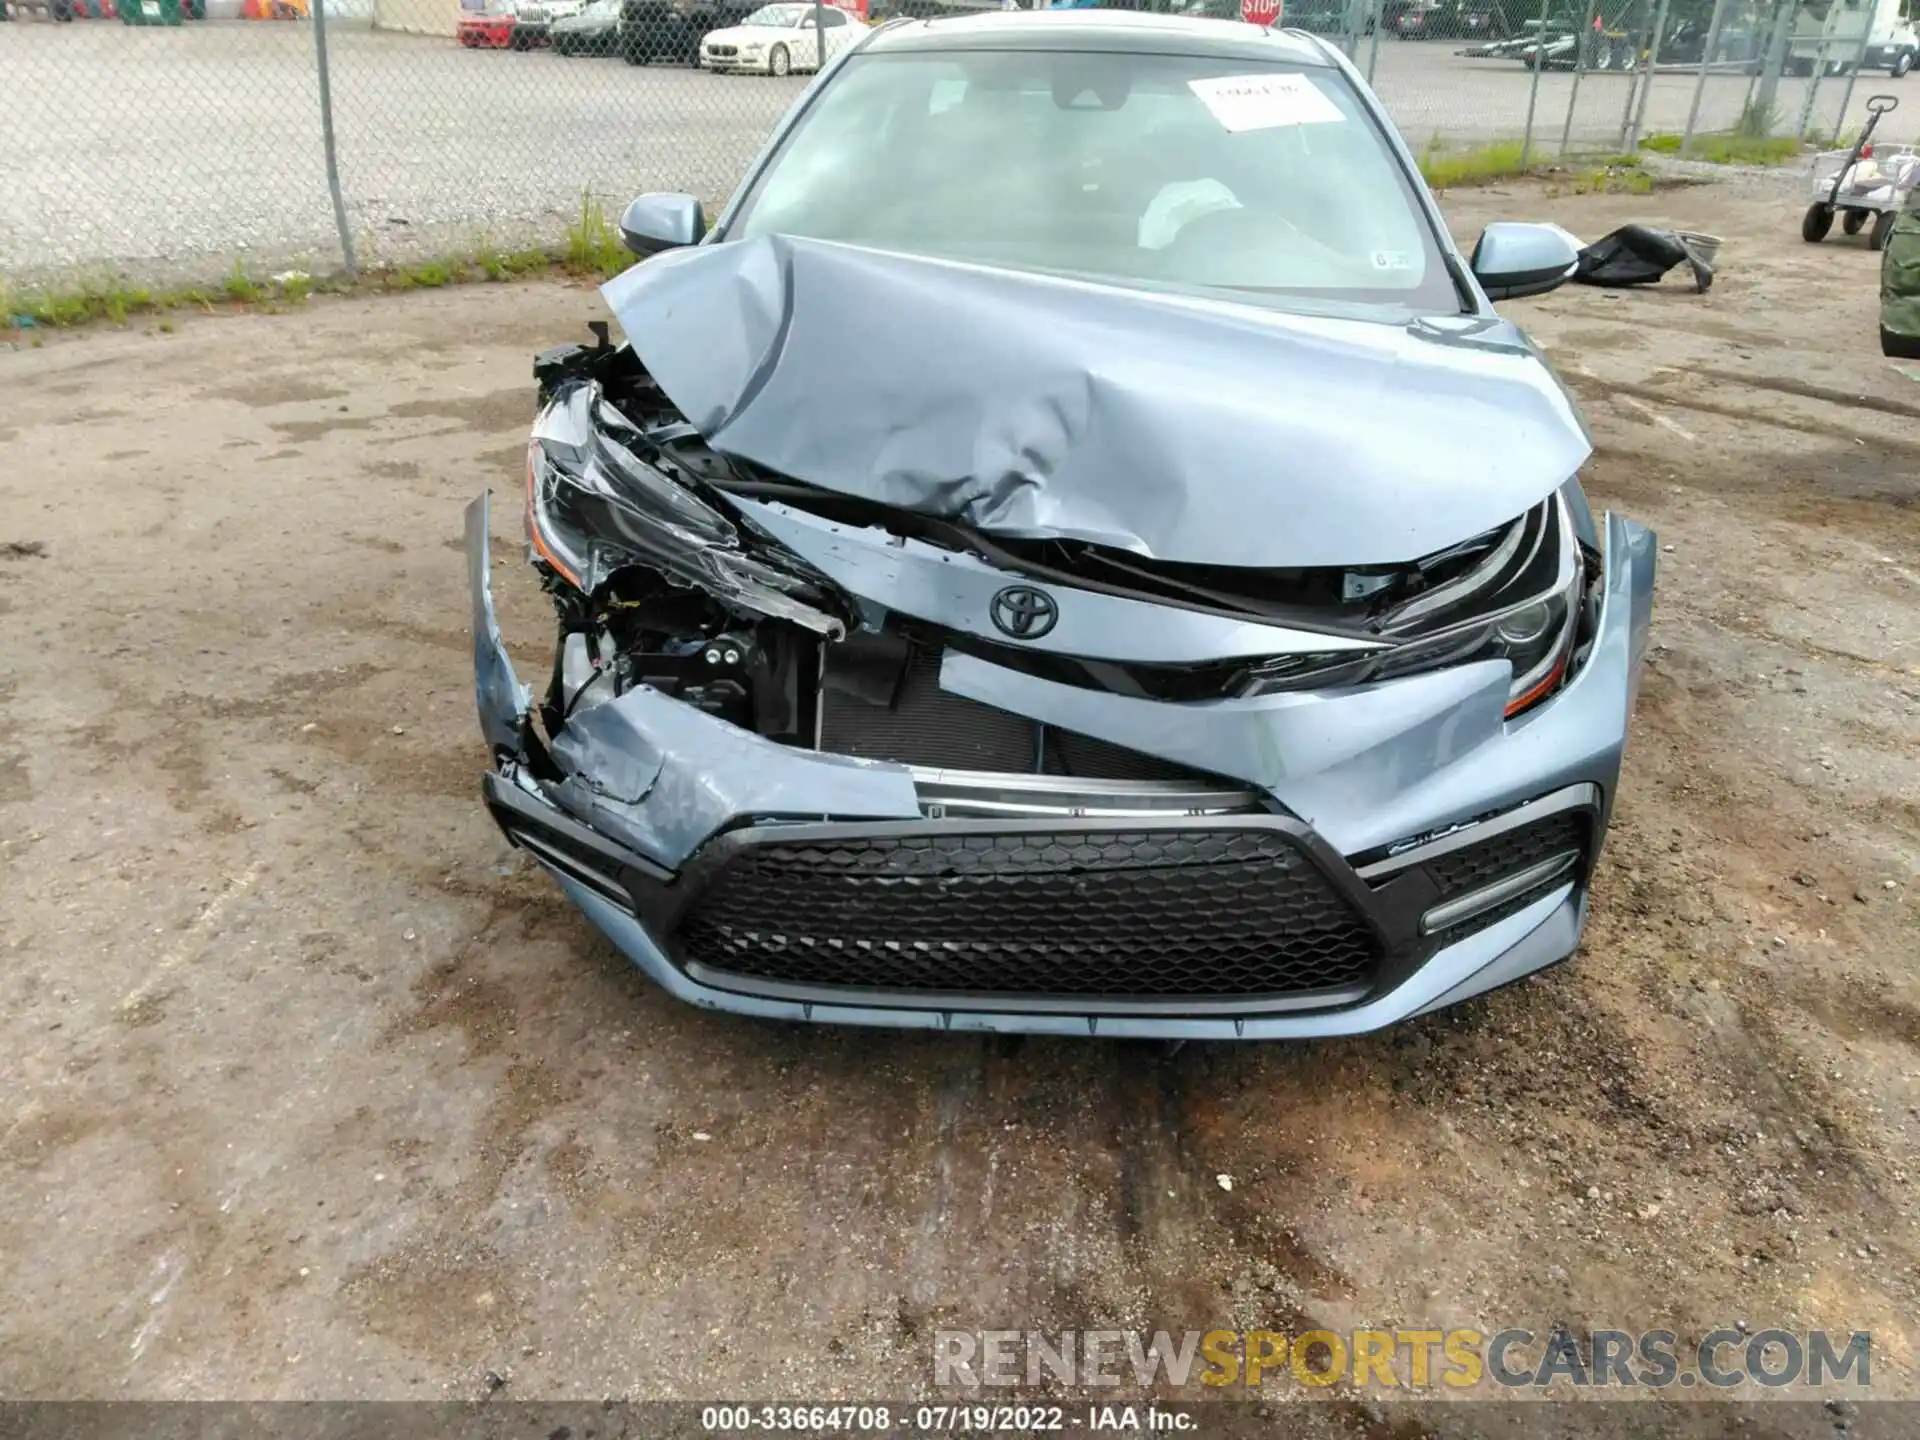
point(299, 431)
point(274, 390)
point(502, 410)
point(1594, 388)
point(1827, 394)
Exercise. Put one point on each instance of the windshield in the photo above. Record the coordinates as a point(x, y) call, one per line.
point(783, 16)
point(1172, 170)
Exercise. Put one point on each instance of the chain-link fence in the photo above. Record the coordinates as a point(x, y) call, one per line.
point(178, 139)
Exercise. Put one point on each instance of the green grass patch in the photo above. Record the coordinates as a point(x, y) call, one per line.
point(527, 262)
point(1444, 167)
point(240, 287)
point(497, 265)
point(590, 247)
point(593, 245)
point(430, 276)
point(115, 301)
point(1616, 175)
point(87, 300)
point(1729, 147)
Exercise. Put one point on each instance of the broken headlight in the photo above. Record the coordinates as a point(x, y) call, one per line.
point(597, 503)
point(1526, 592)
point(1515, 594)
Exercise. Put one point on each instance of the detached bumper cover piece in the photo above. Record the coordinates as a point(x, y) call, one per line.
point(1349, 857)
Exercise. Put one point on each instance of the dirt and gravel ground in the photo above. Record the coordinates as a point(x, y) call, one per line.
point(315, 1088)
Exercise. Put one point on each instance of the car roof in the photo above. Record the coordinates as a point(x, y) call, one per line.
point(1122, 30)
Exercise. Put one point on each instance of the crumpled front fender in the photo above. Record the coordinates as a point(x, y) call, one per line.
point(657, 775)
point(497, 692)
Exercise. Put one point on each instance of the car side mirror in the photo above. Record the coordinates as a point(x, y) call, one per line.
point(662, 222)
point(1514, 259)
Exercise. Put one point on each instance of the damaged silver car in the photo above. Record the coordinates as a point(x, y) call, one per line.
point(1072, 550)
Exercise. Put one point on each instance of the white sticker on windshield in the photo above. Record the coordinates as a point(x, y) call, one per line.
point(1392, 260)
point(1260, 102)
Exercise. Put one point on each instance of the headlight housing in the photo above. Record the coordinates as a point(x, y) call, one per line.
point(1513, 594)
point(1526, 591)
point(596, 503)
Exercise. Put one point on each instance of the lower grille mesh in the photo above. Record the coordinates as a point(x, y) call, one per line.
point(1476, 866)
point(1468, 869)
point(1149, 914)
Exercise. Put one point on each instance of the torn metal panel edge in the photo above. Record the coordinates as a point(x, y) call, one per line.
point(502, 700)
point(956, 590)
point(655, 774)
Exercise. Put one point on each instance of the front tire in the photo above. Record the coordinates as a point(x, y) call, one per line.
point(1853, 221)
point(1882, 229)
point(779, 62)
point(1815, 224)
point(1902, 63)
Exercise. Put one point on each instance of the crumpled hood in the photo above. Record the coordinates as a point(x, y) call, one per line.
point(1025, 405)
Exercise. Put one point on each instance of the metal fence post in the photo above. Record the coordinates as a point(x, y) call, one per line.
point(1635, 122)
point(326, 139)
point(1533, 90)
point(820, 35)
point(1779, 41)
point(1813, 83)
point(1579, 68)
point(1700, 83)
point(1379, 12)
point(1853, 77)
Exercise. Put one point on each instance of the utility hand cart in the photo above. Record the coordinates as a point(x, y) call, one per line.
point(1868, 182)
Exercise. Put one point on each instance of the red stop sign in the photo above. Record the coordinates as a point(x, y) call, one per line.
point(1260, 12)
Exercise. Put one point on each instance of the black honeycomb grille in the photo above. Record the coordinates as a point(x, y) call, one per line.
point(1151, 914)
point(1468, 869)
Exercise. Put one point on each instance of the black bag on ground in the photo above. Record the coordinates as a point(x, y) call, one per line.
point(1639, 255)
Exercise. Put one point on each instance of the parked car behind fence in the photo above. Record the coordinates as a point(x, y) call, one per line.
point(669, 31)
point(594, 31)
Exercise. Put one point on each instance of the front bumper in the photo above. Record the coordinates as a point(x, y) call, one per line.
point(652, 812)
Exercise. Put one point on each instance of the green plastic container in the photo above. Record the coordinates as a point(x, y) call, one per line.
point(150, 12)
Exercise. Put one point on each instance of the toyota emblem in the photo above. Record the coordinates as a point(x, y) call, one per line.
point(1024, 612)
